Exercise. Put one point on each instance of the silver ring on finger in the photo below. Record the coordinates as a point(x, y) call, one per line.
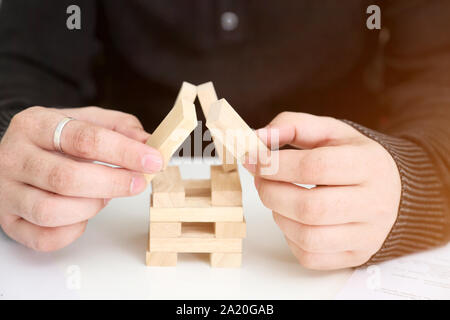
point(58, 131)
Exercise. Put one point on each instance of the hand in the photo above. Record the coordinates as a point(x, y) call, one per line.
point(345, 219)
point(46, 197)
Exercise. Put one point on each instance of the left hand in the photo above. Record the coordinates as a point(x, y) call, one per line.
point(345, 219)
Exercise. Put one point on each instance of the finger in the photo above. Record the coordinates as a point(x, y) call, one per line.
point(306, 131)
point(342, 165)
point(87, 141)
point(64, 176)
point(316, 206)
point(43, 239)
point(47, 209)
point(323, 239)
point(325, 261)
point(124, 123)
point(133, 133)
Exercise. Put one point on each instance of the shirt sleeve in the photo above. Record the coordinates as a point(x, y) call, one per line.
point(417, 130)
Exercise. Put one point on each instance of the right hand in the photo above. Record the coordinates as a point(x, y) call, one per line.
point(46, 198)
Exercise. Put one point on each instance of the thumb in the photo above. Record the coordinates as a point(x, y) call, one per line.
point(305, 131)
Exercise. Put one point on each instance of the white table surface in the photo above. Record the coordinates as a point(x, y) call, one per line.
point(108, 261)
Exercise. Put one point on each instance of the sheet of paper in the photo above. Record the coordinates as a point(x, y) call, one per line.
point(421, 276)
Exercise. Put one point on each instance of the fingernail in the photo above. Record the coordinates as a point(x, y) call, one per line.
point(152, 163)
point(138, 184)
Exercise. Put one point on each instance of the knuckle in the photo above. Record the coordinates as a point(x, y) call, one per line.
point(32, 164)
point(46, 241)
point(121, 185)
point(93, 108)
point(33, 110)
point(41, 213)
point(311, 167)
point(308, 210)
point(25, 118)
point(7, 160)
point(5, 223)
point(284, 115)
point(61, 178)
point(310, 240)
point(132, 120)
point(86, 140)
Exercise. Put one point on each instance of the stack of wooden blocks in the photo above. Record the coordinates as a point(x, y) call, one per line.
point(199, 216)
point(196, 216)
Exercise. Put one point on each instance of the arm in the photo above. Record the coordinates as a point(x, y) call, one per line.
point(47, 198)
point(379, 194)
point(418, 96)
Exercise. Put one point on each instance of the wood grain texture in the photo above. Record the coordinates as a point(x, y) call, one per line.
point(176, 126)
point(165, 229)
point(195, 245)
point(230, 230)
point(225, 260)
point(168, 189)
point(197, 230)
point(207, 96)
point(161, 259)
point(197, 214)
point(197, 187)
point(225, 187)
point(230, 130)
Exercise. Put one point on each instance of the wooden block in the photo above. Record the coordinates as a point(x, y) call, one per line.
point(230, 130)
point(230, 230)
point(197, 209)
point(197, 230)
point(165, 229)
point(197, 214)
point(225, 187)
point(198, 202)
point(176, 126)
point(207, 96)
point(226, 260)
point(195, 245)
point(197, 188)
point(168, 189)
point(161, 259)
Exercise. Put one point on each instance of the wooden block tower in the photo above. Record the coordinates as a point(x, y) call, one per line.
point(194, 216)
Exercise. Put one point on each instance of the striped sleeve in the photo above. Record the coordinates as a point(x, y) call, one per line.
point(423, 218)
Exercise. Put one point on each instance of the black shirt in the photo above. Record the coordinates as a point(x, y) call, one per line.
point(298, 55)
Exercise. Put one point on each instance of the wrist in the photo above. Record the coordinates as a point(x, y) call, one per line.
point(422, 219)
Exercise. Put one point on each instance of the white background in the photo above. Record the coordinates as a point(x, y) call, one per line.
point(110, 257)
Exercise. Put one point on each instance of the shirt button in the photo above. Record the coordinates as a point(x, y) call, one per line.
point(229, 21)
